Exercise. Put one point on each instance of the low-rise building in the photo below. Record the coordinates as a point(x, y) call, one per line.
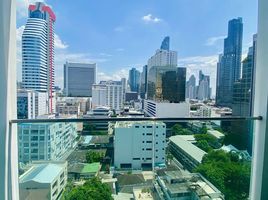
point(44, 180)
point(166, 109)
point(217, 134)
point(176, 185)
point(139, 144)
point(83, 170)
point(64, 108)
point(184, 151)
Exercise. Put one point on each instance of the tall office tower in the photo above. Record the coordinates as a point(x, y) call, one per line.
point(38, 51)
point(124, 88)
point(163, 57)
point(108, 93)
point(165, 43)
point(173, 85)
point(229, 65)
point(243, 101)
point(203, 92)
point(134, 80)
point(191, 88)
point(165, 86)
point(143, 84)
point(78, 79)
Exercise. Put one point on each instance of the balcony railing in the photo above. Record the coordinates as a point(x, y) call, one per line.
point(191, 145)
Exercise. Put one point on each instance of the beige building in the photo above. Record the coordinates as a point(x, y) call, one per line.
point(44, 180)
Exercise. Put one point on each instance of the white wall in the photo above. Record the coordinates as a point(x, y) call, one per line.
point(8, 106)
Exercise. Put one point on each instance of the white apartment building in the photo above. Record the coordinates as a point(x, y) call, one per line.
point(31, 104)
point(163, 58)
point(45, 141)
point(64, 108)
point(166, 109)
point(44, 180)
point(139, 144)
point(108, 93)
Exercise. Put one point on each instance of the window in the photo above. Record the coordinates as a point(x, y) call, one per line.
point(137, 127)
point(149, 134)
point(148, 149)
point(148, 141)
point(135, 158)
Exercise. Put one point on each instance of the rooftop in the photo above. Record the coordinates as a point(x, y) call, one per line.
point(216, 134)
point(188, 147)
point(42, 173)
point(129, 124)
point(91, 168)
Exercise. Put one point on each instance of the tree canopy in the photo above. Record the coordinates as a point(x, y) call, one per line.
point(91, 190)
point(93, 156)
point(177, 129)
point(227, 172)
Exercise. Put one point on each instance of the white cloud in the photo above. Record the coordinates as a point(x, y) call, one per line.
point(151, 19)
point(105, 55)
point(59, 44)
point(119, 29)
point(208, 65)
point(22, 7)
point(213, 40)
point(116, 76)
point(120, 49)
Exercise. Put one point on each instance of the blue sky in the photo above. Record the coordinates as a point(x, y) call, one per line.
point(118, 35)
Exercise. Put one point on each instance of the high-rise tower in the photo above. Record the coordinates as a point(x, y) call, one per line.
point(165, 43)
point(229, 66)
point(38, 51)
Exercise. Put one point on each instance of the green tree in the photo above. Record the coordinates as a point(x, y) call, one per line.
point(177, 129)
point(203, 144)
point(93, 156)
point(211, 140)
point(93, 189)
point(227, 172)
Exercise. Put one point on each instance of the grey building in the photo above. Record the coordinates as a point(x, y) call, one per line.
point(229, 65)
point(191, 88)
point(143, 84)
point(134, 80)
point(78, 79)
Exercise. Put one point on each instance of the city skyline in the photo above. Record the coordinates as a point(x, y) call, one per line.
point(115, 58)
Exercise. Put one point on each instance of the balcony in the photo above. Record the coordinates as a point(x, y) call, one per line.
point(212, 150)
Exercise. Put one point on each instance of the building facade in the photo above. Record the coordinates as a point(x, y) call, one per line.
point(45, 141)
point(108, 93)
point(191, 88)
point(134, 80)
point(229, 65)
point(78, 79)
point(31, 104)
point(38, 51)
point(44, 180)
point(145, 143)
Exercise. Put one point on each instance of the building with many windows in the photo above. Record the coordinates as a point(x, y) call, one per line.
point(45, 141)
point(38, 51)
point(229, 65)
point(145, 143)
point(163, 56)
point(31, 104)
point(134, 80)
point(78, 79)
point(108, 93)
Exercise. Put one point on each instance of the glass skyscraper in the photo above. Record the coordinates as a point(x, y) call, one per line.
point(229, 65)
point(38, 50)
point(165, 43)
point(134, 80)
